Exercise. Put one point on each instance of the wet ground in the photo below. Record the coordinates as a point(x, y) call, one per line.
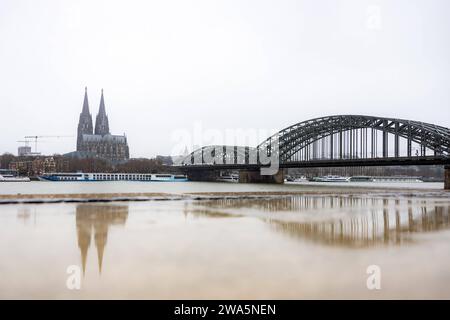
point(231, 245)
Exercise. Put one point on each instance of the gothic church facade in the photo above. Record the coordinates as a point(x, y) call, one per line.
point(97, 141)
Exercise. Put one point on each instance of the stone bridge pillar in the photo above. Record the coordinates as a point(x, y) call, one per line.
point(254, 176)
point(447, 177)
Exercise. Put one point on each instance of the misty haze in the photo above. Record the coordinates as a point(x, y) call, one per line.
point(224, 155)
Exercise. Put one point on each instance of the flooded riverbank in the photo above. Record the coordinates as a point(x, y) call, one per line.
point(231, 246)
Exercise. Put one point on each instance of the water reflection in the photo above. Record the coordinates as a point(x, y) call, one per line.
point(355, 222)
point(95, 220)
point(370, 230)
point(24, 214)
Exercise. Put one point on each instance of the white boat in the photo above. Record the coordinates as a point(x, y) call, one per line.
point(361, 179)
point(12, 178)
point(80, 177)
point(386, 179)
point(228, 178)
point(331, 178)
point(397, 179)
point(297, 179)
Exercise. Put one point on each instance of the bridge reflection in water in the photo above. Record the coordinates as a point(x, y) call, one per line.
point(95, 220)
point(352, 222)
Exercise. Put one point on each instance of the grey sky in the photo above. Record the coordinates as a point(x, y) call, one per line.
point(165, 65)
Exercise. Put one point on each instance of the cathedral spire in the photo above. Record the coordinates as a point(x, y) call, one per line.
point(101, 122)
point(85, 102)
point(85, 122)
point(102, 105)
point(100, 242)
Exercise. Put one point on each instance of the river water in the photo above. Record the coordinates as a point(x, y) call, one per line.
point(315, 243)
point(36, 187)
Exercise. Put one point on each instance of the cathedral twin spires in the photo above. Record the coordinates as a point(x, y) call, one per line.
point(98, 142)
point(101, 122)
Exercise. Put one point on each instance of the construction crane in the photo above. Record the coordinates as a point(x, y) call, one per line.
point(24, 141)
point(38, 137)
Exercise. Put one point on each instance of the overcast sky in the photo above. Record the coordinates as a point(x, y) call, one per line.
point(177, 64)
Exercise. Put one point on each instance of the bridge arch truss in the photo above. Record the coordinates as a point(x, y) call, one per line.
point(359, 137)
point(339, 137)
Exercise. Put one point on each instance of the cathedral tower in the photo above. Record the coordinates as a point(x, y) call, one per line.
point(85, 122)
point(101, 122)
point(101, 144)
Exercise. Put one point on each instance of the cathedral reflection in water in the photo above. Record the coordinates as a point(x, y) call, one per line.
point(93, 220)
point(333, 220)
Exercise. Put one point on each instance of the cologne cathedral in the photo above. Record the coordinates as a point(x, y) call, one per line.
point(97, 141)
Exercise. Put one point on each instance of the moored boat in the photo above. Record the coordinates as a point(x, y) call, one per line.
point(361, 179)
point(295, 179)
point(12, 178)
point(228, 178)
point(80, 177)
point(386, 179)
point(330, 178)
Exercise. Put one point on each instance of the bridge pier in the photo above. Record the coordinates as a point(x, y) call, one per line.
point(254, 176)
point(447, 178)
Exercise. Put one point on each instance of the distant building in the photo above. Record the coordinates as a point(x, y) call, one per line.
point(34, 166)
point(178, 160)
point(98, 142)
point(24, 151)
point(165, 160)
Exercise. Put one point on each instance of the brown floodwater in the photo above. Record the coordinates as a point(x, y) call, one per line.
point(270, 247)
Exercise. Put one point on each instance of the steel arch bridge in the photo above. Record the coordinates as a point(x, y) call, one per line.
point(339, 140)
